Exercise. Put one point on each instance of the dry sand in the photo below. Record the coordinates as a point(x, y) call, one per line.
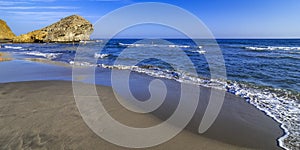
point(43, 115)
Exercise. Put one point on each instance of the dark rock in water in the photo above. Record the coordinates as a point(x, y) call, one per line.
point(70, 29)
point(5, 32)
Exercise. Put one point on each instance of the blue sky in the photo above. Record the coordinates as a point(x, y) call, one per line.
point(225, 18)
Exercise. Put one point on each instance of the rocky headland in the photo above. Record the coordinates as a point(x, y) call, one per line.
point(70, 29)
point(6, 34)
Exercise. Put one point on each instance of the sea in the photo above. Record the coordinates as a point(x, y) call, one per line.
point(264, 72)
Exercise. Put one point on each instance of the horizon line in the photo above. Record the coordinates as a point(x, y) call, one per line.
point(219, 38)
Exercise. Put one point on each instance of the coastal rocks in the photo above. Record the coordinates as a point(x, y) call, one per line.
point(31, 37)
point(5, 32)
point(70, 29)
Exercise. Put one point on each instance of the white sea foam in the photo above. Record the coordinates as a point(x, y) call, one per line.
point(13, 47)
point(160, 45)
point(46, 55)
point(91, 41)
point(179, 46)
point(284, 110)
point(133, 45)
point(76, 63)
point(101, 56)
point(201, 51)
point(272, 48)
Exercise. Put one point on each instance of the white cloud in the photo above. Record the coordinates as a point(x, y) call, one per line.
point(10, 3)
point(107, 0)
point(46, 13)
point(39, 17)
point(35, 7)
point(42, 0)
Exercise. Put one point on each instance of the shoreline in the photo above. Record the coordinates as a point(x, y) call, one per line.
point(237, 122)
point(35, 70)
point(27, 105)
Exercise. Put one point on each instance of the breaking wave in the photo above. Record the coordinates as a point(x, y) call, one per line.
point(45, 55)
point(101, 56)
point(159, 45)
point(271, 48)
point(13, 47)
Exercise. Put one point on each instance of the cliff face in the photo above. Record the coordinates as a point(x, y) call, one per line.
point(69, 29)
point(5, 31)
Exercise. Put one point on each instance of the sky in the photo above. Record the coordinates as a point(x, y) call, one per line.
point(224, 18)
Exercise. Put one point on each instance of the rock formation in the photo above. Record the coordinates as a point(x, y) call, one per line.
point(5, 32)
point(70, 29)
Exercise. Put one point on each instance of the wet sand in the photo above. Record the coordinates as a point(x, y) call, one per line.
point(43, 115)
point(4, 57)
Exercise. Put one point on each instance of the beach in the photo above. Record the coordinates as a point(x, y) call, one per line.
point(112, 74)
point(43, 115)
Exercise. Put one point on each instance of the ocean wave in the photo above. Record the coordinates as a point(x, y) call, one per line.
point(101, 56)
point(76, 63)
point(279, 57)
point(201, 51)
point(132, 45)
point(283, 106)
point(45, 55)
point(271, 48)
point(13, 47)
point(292, 56)
point(159, 45)
point(91, 41)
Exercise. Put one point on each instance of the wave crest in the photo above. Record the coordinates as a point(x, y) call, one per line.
point(271, 48)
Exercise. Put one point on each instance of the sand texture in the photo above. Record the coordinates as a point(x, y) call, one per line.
point(43, 115)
